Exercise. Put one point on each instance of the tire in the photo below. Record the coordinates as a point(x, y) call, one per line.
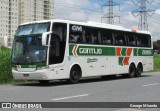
point(44, 82)
point(138, 71)
point(132, 71)
point(74, 75)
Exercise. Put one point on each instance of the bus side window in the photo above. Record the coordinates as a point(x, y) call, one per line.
point(89, 39)
point(107, 37)
point(120, 38)
point(95, 37)
point(143, 40)
point(73, 38)
point(138, 41)
point(88, 35)
point(146, 40)
point(131, 39)
point(99, 37)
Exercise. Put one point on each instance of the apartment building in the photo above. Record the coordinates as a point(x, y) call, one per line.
point(8, 18)
point(15, 12)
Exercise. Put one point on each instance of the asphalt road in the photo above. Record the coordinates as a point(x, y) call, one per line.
point(120, 89)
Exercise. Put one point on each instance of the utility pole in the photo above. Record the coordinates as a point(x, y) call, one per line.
point(143, 13)
point(110, 12)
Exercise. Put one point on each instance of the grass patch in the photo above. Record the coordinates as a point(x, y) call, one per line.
point(156, 63)
point(5, 65)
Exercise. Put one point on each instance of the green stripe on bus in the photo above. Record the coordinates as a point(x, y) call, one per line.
point(92, 51)
point(143, 52)
point(84, 50)
point(123, 52)
point(121, 60)
point(36, 65)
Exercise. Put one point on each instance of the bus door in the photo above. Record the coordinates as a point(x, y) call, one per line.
point(57, 44)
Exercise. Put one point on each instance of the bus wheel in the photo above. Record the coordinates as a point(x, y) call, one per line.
point(43, 82)
point(132, 71)
point(138, 71)
point(74, 75)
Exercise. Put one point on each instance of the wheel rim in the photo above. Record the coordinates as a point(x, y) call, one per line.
point(132, 71)
point(139, 70)
point(74, 75)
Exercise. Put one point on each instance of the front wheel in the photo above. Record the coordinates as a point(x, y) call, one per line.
point(74, 75)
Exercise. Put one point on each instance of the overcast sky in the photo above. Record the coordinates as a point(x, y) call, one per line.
point(90, 10)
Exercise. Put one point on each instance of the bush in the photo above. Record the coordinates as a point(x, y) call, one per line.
point(5, 65)
point(157, 62)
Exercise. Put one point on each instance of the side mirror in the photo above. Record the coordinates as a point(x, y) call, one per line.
point(44, 38)
point(5, 41)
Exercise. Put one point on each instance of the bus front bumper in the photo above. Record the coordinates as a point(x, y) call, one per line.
point(36, 75)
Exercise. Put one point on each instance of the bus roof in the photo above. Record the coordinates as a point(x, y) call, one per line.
point(92, 24)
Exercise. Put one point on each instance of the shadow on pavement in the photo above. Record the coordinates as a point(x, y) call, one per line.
point(82, 81)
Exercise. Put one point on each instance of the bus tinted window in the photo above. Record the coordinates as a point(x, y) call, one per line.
point(91, 35)
point(143, 40)
point(75, 34)
point(119, 38)
point(131, 39)
point(84, 34)
point(107, 37)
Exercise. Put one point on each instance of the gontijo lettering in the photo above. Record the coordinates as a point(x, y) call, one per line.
point(90, 51)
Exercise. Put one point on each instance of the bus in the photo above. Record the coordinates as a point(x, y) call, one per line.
point(69, 50)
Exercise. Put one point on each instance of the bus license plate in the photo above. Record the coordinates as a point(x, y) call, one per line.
point(26, 75)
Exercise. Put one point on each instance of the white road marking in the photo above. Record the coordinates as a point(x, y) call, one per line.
point(151, 84)
point(70, 97)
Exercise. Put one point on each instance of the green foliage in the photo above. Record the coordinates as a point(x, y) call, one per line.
point(156, 45)
point(5, 65)
point(157, 62)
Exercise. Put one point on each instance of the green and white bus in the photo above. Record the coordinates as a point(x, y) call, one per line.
point(70, 50)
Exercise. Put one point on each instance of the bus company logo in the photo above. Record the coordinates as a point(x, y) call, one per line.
point(6, 105)
point(126, 52)
point(74, 51)
point(86, 51)
point(90, 51)
point(92, 60)
point(77, 28)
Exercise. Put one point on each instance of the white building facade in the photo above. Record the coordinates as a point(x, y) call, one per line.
point(15, 12)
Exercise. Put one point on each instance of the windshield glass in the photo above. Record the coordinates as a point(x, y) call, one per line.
point(28, 50)
point(31, 29)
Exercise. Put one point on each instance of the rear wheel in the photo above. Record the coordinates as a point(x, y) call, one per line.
point(139, 71)
point(132, 71)
point(74, 75)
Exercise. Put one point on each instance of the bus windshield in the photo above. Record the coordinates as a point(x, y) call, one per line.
point(31, 29)
point(28, 50)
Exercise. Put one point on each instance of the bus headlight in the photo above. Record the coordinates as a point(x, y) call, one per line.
point(14, 69)
point(41, 68)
